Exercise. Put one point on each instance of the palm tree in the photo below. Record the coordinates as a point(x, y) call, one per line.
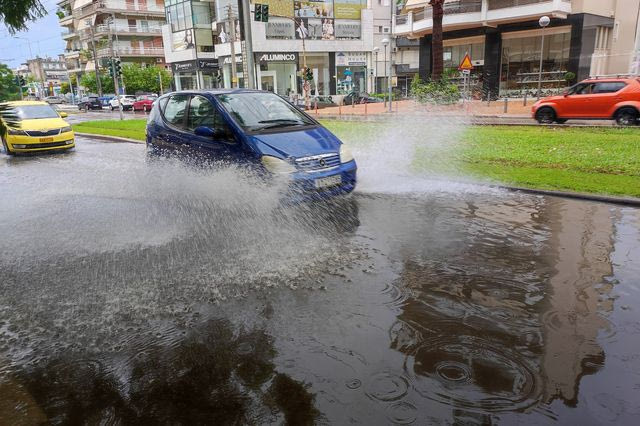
point(436, 42)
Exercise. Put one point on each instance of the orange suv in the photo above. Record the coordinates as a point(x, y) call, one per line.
point(595, 98)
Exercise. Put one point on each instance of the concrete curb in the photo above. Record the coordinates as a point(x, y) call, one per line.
point(108, 138)
point(623, 201)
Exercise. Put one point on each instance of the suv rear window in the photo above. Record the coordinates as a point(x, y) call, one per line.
point(609, 87)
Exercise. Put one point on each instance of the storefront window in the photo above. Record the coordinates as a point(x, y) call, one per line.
point(279, 78)
point(351, 79)
point(186, 81)
point(521, 64)
point(321, 76)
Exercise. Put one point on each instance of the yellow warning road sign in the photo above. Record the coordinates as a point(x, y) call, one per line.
point(466, 63)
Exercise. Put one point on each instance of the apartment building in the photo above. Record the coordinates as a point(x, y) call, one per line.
point(48, 74)
point(504, 40)
point(133, 27)
point(334, 38)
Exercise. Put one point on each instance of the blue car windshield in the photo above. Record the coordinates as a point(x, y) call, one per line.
point(262, 110)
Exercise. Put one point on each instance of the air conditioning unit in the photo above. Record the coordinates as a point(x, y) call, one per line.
point(478, 63)
point(386, 30)
point(159, 60)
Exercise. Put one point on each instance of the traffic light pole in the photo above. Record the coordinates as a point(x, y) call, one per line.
point(248, 41)
point(232, 35)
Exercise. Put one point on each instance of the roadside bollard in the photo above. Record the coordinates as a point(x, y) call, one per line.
point(365, 108)
point(525, 98)
point(489, 100)
point(506, 104)
point(340, 108)
point(316, 106)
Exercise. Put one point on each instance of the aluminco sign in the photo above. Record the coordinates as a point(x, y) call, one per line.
point(278, 57)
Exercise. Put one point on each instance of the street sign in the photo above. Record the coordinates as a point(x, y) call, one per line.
point(466, 63)
point(466, 72)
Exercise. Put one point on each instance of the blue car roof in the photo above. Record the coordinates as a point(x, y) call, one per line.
point(219, 91)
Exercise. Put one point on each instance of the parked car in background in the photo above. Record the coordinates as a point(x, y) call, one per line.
point(593, 99)
point(104, 99)
point(320, 101)
point(359, 98)
point(40, 128)
point(125, 100)
point(89, 102)
point(55, 100)
point(258, 129)
point(144, 103)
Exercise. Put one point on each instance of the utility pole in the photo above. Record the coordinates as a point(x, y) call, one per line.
point(160, 80)
point(392, 5)
point(248, 42)
point(113, 71)
point(232, 35)
point(95, 58)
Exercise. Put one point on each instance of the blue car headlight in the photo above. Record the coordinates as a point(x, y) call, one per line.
point(345, 154)
point(276, 165)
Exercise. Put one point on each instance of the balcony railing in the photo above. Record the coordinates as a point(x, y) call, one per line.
point(132, 51)
point(503, 4)
point(128, 29)
point(67, 34)
point(117, 5)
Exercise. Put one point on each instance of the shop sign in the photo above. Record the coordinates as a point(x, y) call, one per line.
point(183, 66)
point(345, 59)
point(182, 40)
point(264, 58)
point(282, 29)
point(279, 7)
point(207, 64)
point(226, 60)
point(349, 9)
point(313, 8)
point(347, 29)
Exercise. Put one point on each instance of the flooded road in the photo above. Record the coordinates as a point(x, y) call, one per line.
point(135, 292)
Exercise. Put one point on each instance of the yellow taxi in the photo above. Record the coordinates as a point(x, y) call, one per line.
point(35, 126)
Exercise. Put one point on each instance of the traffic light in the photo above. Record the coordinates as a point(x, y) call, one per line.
point(307, 74)
point(22, 81)
point(261, 13)
point(117, 67)
point(110, 67)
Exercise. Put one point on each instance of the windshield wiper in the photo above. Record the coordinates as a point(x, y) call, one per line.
point(280, 123)
point(280, 120)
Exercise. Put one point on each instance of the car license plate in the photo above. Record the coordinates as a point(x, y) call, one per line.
point(46, 139)
point(328, 181)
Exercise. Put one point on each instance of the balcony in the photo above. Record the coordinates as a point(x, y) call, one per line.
point(132, 51)
point(462, 14)
point(67, 34)
point(119, 6)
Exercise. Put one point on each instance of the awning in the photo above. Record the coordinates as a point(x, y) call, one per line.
point(415, 4)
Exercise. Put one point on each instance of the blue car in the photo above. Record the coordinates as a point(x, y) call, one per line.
point(257, 128)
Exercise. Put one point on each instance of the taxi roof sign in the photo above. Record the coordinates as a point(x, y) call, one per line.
point(466, 63)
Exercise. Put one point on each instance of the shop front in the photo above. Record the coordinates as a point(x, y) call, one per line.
point(319, 65)
point(225, 64)
point(520, 68)
point(351, 72)
point(185, 75)
point(196, 74)
point(277, 72)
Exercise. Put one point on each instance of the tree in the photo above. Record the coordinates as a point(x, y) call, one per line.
point(16, 13)
point(9, 89)
point(144, 79)
point(88, 81)
point(65, 88)
point(436, 39)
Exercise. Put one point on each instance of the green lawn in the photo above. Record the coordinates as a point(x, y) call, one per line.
point(595, 160)
point(132, 129)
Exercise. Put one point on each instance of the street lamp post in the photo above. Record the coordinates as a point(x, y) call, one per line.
point(375, 71)
point(385, 43)
point(544, 22)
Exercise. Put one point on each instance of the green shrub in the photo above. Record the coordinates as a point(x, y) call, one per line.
point(434, 92)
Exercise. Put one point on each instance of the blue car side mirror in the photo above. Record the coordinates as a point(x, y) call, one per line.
point(204, 131)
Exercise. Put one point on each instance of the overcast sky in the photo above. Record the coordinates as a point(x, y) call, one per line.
point(44, 35)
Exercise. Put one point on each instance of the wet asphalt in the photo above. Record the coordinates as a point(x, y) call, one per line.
point(136, 291)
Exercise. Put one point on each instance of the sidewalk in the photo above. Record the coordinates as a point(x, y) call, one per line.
point(515, 109)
